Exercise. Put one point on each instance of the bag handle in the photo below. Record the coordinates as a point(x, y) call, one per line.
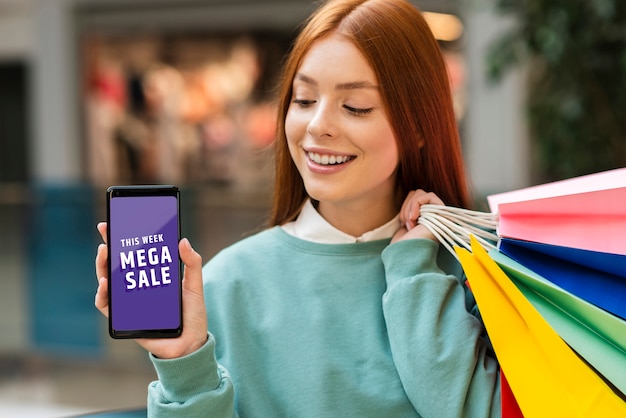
point(453, 226)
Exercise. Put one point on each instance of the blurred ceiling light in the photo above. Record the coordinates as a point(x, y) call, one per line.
point(445, 27)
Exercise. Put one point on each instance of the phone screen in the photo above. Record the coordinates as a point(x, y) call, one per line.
point(144, 265)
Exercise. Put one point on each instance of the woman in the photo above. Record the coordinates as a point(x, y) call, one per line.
point(345, 306)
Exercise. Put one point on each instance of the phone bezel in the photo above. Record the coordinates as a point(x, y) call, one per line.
point(142, 191)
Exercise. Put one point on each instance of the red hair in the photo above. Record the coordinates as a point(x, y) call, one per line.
point(399, 46)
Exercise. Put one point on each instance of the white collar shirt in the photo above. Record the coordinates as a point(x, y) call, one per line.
point(311, 226)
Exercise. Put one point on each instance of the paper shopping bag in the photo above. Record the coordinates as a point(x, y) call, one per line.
point(614, 264)
point(510, 408)
point(605, 180)
point(586, 212)
point(547, 378)
point(596, 285)
point(596, 335)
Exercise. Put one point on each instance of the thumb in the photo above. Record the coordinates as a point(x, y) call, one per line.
point(192, 275)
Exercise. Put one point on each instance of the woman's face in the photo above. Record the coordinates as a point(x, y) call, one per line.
point(337, 129)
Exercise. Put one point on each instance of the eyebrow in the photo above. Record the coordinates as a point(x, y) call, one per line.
point(352, 85)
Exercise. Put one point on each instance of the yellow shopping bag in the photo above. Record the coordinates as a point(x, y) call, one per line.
point(547, 378)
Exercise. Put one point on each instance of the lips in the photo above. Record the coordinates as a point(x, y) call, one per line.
point(328, 159)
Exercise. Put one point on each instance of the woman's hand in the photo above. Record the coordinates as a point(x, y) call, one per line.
point(195, 325)
point(410, 212)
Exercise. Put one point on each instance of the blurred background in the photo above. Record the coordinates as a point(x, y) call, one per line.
point(101, 92)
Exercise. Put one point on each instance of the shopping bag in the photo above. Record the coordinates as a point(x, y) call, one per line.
point(510, 407)
point(605, 180)
point(586, 212)
point(596, 277)
point(546, 376)
point(573, 222)
point(614, 264)
point(596, 335)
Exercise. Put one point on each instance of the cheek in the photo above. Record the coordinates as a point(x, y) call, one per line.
point(294, 126)
point(393, 151)
point(390, 162)
point(387, 150)
point(293, 134)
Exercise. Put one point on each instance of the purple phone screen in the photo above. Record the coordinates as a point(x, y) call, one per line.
point(145, 282)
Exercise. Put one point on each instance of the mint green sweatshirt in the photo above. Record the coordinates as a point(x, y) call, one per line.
point(303, 329)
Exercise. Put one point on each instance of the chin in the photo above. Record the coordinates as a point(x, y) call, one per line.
point(320, 195)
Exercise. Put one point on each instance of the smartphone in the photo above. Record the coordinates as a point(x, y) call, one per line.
point(145, 271)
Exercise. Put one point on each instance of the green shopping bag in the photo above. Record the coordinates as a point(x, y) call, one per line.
point(595, 334)
point(546, 376)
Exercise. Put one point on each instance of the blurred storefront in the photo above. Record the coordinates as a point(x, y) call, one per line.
point(112, 92)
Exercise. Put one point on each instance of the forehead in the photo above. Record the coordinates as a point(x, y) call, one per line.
point(335, 57)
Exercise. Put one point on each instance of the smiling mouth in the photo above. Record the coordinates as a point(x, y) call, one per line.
point(328, 159)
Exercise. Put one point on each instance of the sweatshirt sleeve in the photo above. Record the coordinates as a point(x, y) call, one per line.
point(191, 386)
point(438, 347)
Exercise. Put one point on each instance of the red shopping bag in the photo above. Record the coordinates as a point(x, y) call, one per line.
point(510, 408)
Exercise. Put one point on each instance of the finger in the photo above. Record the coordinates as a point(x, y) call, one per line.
point(404, 210)
point(102, 264)
point(102, 296)
point(192, 275)
point(194, 310)
point(102, 229)
point(413, 203)
point(420, 199)
point(410, 209)
point(425, 199)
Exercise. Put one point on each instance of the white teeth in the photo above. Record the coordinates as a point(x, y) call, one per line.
point(328, 159)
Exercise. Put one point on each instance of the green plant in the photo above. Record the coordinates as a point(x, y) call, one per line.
point(576, 100)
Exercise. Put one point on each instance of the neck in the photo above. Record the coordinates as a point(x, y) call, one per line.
point(357, 219)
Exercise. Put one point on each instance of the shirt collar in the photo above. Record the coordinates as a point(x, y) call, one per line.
point(311, 226)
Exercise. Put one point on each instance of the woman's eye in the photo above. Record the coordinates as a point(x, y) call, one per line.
point(358, 111)
point(303, 102)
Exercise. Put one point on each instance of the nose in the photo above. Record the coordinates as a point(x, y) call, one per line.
point(322, 123)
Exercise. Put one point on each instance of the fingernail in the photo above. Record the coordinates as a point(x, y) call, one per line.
point(407, 225)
